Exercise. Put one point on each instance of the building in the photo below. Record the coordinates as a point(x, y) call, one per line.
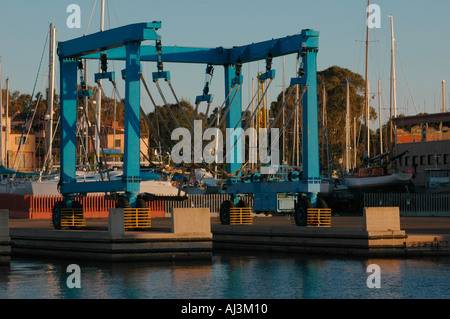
point(426, 137)
point(33, 149)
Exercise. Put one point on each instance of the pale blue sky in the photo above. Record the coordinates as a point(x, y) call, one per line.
point(422, 31)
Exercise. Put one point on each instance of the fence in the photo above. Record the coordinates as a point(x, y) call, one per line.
point(412, 204)
point(96, 206)
point(211, 201)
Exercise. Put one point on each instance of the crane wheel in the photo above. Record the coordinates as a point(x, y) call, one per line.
point(56, 214)
point(301, 211)
point(224, 213)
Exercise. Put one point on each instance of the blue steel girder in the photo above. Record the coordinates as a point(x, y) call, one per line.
point(105, 41)
point(220, 55)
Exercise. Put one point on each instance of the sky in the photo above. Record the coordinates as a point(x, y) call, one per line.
point(421, 31)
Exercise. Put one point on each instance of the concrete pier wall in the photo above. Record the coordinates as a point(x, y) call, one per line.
point(116, 244)
point(380, 236)
point(5, 239)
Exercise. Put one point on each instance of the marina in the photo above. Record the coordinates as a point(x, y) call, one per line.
point(255, 188)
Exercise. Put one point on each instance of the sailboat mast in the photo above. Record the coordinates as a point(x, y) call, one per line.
point(51, 88)
point(86, 110)
point(1, 115)
point(284, 88)
point(99, 94)
point(379, 115)
point(393, 102)
point(347, 128)
point(323, 124)
point(6, 123)
point(367, 81)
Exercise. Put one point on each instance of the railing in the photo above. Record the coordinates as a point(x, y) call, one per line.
point(318, 217)
point(241, 216)
point(96, 206)
point(72, 217)
point(411, 204)
point(137, 218)
point(212, 201)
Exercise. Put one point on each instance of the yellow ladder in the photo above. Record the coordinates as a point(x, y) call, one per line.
point(241, 216)
point(137, 218)
point(318, 217)
point(72, 217)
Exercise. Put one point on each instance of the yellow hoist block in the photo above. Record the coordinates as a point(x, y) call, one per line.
point(318, 217)
point(137, 218)
point(72, 217)
point(241, 216)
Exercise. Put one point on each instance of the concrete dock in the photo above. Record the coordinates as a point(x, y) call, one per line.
point(170, 239)
point(186, 236)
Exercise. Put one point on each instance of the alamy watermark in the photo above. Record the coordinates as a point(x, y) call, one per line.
point(374, 279)
point(374, 16)
point(74, 19)
point(74, 279)
point(182, 152)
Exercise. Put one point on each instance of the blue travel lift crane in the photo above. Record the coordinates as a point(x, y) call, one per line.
point(125, 43)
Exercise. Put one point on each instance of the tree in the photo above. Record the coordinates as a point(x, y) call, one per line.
point(335, 92)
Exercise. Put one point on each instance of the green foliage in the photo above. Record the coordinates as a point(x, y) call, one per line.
point(335, 96)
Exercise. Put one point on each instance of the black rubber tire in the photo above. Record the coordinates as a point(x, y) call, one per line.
point(242, 203)
point(122, 202)
point(56, 214)
point(77, 204)
point(224, 213)
point(321, 203)
point(301, 211)
point(140, 202)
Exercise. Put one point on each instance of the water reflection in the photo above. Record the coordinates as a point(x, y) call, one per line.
point(228, 276)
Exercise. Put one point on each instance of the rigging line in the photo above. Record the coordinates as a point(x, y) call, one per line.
point(159, 115)
point(152, 128)
point(206, 116)
point(227, 110)
point(166, 104)
point(145, 156)
point(256, 108)
point(31, 98)
point(101, 144)
point(180, 106)
point(93, 142)
point(19, 150)
point(282, 107)
point(250, 120)
point(325, 134)
point(48, 151)
point(114, 11)
point(219, 108)
point(90, 18)
point(407, 82)
point(35, 109)
point(287, 120)
point(80, 134)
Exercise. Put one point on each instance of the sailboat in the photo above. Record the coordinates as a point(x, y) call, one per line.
point(378, 174)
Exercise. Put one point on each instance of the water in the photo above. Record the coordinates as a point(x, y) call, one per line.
point(230, 276)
